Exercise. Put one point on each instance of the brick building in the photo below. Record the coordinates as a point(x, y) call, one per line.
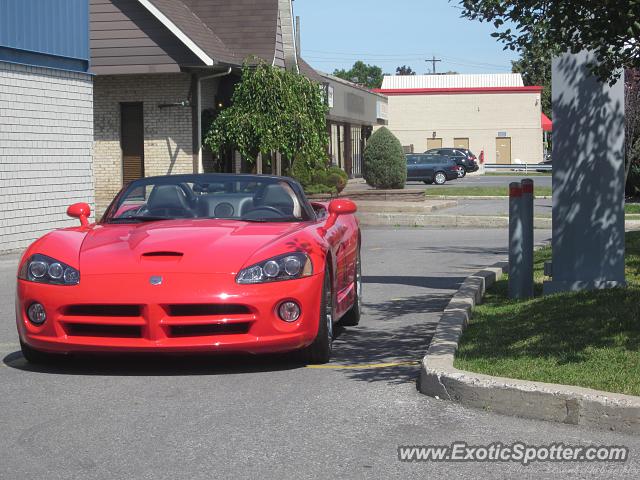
point(46, 127)
point(165, 68)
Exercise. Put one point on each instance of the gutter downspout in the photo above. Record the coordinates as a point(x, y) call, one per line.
point(197, 117)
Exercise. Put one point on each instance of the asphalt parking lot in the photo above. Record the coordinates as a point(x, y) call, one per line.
point(270, 417)
point(485, 181)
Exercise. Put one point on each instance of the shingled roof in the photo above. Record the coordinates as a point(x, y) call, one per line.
point(146, 36)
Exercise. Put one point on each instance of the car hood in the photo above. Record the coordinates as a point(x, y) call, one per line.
point(197, 246)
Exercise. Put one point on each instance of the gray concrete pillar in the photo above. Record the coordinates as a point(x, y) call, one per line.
point(588, 178)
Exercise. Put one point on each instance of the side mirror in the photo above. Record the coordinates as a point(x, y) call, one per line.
point(341, 206)
point(80, 211)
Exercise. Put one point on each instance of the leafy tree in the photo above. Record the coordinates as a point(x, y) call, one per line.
point(273, 109)
point(609, 28)
point(384, 164)
point(632, 133)
point(535, 67)
point(405, 70)
point(368, 75)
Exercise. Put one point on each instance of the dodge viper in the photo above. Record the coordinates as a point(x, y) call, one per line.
point(207, 263)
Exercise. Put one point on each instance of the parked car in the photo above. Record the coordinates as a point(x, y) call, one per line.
point(463, 157)
point(547, 163)
point(430, 168)
point(194, 264)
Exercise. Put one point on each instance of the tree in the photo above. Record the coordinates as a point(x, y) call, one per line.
point(608, 28)
point(632, 133)
point(405, 70)
point(535, 67)
point(273, 109)
point(384, 164)
point(368, 75)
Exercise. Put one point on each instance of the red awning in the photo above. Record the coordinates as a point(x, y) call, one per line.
point(547, 124)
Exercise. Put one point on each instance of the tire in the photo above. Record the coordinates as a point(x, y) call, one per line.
point(464, 173)
point(440, 178)
point(352, 317)
point(320, 350)
point(37, 357)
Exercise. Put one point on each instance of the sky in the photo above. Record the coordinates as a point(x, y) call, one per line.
point(390, 33)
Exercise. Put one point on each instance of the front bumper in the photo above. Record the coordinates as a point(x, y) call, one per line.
point(199, 313)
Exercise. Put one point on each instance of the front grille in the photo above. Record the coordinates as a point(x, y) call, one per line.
point(97, 330)
point(204, 310)
point(208, 329)
point(103, 310)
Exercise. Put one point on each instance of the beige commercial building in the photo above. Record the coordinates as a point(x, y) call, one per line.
point(491, 113)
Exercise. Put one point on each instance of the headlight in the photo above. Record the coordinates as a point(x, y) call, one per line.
point(283, 267)
point(43, 269)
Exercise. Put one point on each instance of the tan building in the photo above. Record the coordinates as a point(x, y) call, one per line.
point(491, 113)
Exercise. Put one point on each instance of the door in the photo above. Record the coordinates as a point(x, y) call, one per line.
point(503, 150)
point(132, 141)
point(462, 143)
point(434, 143)
point(426, 166)
point(412, 166)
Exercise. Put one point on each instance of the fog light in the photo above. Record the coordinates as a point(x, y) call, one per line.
point(289, 311)
point(36, 313)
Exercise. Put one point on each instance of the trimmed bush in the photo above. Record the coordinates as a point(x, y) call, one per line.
point(384, 164)
point(316, 177)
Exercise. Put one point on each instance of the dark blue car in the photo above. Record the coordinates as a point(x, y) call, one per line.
point(430, 168)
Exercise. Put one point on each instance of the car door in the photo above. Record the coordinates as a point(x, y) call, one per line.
point(412, 166)
point(426, 167)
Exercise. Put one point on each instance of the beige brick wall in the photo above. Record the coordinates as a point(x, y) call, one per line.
point(479, 117)
point(168, 144)
point(45, 150)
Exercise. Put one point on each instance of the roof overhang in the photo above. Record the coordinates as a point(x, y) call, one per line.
point(547, 124)
point(456, 91)
point(173, 28)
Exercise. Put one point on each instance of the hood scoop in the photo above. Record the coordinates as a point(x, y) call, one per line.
point(162, 256)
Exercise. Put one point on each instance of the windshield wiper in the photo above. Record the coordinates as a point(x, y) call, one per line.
point(140, 218)
point(270, 220)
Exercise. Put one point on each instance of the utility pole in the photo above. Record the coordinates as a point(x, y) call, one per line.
point(433, 62)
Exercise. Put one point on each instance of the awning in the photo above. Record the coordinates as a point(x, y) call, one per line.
point(547, 124)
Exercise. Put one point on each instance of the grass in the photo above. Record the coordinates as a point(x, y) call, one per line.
point(589, 339)
point(480, 191)
point(632, 208)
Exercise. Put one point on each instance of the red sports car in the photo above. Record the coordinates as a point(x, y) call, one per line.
point(194, 263)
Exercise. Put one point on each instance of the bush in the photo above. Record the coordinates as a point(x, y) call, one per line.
point(384, 164)
point(633, 180)
point(316, 177)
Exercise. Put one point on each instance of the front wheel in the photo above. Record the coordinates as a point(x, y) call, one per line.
point(440, 178)
point(37, 357)
point(320, 350)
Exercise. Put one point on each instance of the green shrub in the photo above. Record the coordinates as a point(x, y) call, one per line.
point(384, 164)
point(316, 177)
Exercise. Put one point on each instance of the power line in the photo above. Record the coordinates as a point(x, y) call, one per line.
point(433, 62)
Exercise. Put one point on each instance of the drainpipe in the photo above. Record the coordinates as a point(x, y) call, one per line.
point(197, 117)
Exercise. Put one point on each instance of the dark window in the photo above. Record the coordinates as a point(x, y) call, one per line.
point(132, 141)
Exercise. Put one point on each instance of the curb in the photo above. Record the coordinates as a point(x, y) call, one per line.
point(479, 197)
point(430, 220)
point(520, 398)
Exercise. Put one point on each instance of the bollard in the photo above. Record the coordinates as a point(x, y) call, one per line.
point(515, 240)
point(527, 237)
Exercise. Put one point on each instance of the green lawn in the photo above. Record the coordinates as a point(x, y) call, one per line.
point(590, 339)
point(436, 190)
point(632, 208)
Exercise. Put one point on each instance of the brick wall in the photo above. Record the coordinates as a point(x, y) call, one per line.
point(46, 133)
point(168, 145)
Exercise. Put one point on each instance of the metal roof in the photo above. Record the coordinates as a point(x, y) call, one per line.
point(485, 80)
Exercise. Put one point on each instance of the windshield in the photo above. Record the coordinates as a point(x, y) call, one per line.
point(241, 197)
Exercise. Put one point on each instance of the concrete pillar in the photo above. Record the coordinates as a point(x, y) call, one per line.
point(516, 237)
point(259, 164)
point(527, 237)
point(588, 178)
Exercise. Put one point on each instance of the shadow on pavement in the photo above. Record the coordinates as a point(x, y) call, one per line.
point(157, 365)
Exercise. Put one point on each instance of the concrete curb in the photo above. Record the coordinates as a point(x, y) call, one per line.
point(431, 220)
point(521, 398)
point(484, 197)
